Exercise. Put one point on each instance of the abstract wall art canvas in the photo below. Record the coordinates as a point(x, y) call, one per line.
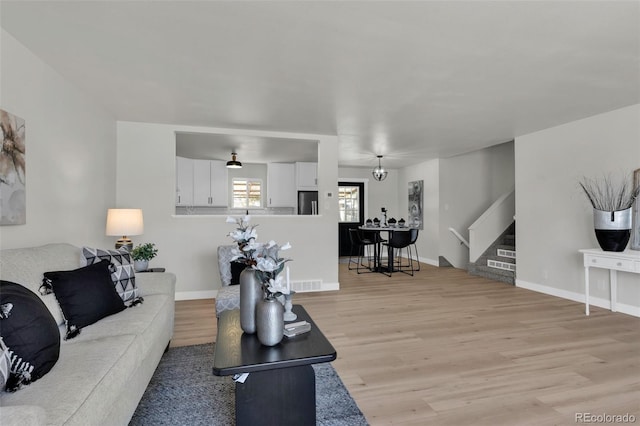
point(13, 209)
point(415, 204)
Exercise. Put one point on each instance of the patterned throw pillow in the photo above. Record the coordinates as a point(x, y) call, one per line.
point(123, 273)
point(29, 332)
point(5, 362)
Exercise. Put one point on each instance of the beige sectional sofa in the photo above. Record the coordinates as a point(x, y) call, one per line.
point(102, 373)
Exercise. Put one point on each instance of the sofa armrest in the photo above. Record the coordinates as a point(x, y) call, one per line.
point(150, 283)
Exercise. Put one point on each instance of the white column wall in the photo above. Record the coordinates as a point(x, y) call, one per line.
point(187, 244)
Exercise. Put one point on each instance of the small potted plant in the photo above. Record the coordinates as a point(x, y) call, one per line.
point(142, 254)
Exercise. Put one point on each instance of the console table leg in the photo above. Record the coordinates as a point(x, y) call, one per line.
point(613, 283)
point(586, 290)
point(283, 396)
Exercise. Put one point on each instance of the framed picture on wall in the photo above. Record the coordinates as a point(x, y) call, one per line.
point(635, 221)
point(13, 209)
point(416, 204)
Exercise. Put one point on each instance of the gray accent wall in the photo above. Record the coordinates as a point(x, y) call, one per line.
point(554, 218)
point(70, 154)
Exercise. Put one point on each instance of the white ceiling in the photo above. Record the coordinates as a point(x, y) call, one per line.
point(408, 80)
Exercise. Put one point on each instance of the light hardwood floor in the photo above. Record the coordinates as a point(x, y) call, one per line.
point(446, 348)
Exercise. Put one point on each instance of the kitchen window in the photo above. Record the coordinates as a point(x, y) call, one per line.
point(247, 193)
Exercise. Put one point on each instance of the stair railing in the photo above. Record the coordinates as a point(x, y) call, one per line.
point(460, 237)
point(484, 231)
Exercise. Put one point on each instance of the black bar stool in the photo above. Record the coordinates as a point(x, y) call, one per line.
point(360, 244)
point(397, 241)
point(414, 238)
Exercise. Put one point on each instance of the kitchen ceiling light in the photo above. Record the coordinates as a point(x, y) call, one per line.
point(379, 173)
point(234, 164)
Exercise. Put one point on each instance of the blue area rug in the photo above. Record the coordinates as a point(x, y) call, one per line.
point(184, 391)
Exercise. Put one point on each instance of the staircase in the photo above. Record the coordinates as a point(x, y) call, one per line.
point(498, 262)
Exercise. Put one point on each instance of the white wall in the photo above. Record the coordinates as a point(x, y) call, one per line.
point(379, 194)
point(428, 237)
point(187, 244)
point(554, 219)
point(70, 153)
point(469, 184)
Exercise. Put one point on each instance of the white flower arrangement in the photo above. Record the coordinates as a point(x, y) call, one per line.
point(245, 236)
point(263, 258)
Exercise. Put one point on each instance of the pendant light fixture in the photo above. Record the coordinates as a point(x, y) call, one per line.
point(234, 164)
point(379, 173)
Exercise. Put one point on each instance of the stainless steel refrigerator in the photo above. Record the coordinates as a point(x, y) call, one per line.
point(307, 202)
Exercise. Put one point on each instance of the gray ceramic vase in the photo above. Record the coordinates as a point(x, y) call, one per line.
point(250, 294)
point(270, 321)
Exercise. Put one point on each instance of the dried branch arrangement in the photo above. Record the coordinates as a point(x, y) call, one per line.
point(608, 196)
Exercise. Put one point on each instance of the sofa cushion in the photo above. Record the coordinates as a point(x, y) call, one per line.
point(123, 274)
point(86, 295)
point(30, 333)
point(26, 266)
point(88, 379)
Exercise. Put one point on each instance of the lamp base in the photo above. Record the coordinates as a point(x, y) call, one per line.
point(124, 242)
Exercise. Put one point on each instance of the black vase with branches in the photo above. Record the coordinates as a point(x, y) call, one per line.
point(612, 203)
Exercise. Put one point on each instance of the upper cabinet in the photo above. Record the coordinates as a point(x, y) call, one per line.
point(281, 188)
point(184, 181)
point(209, 186)
point(307, 176)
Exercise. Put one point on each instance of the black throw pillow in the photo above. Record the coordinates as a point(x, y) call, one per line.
point(86, 295)
point(236, 268)
point(30, 334)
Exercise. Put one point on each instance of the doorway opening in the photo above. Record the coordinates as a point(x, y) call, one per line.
point(351, 207)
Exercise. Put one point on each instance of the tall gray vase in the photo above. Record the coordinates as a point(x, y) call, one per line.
point(250, 294)
point(270, 321)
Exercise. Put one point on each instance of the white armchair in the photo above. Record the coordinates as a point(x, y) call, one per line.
point(229, 295)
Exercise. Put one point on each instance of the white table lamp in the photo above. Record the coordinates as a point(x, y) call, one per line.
point(124, 222)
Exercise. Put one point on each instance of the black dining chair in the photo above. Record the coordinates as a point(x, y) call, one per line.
point(360, 248)
point(398, 241)
point(414, 248)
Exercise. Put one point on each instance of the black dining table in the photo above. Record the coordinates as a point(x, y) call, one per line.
point(377, 247)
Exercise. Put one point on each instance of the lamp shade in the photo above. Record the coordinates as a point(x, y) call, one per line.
point(234, 163)
point(123, 222)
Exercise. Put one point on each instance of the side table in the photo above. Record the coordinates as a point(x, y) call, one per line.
point(280, 388)
point(626, 261)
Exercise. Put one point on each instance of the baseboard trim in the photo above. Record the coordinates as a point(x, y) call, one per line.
point(579, 297)
point(323, 287)
point(211, 294)
point(428, 261)
point(195, 295)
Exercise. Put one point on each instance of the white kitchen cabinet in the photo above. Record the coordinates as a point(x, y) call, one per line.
point(281, 186)
point(210, 183)
point(307, 176)
point(184, 181)
point(219, 183)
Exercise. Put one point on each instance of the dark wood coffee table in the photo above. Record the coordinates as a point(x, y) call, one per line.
point(281, 387)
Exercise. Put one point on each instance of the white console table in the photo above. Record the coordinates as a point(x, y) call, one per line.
point(626, 261)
